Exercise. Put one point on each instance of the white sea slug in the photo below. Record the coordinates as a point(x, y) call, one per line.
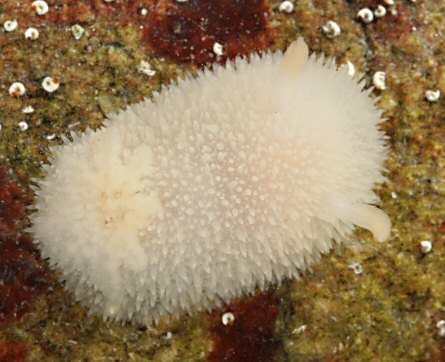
point(220, 185)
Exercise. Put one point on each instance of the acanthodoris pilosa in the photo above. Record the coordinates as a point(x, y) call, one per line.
point(220, 185)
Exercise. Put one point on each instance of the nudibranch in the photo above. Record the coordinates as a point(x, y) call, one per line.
point(218, 186)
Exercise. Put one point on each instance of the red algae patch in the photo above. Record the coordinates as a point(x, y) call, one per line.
point(244, 331)
point(191, 31)
point(21, 277)
point(394, 25)
point(397, 25)
point(70, 12)
point(12, 351)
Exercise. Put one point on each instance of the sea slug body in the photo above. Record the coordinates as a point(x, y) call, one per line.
point(220, 185)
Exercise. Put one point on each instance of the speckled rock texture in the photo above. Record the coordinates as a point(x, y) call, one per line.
point(364, 301)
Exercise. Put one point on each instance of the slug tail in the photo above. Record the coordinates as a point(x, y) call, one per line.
point(372, 218)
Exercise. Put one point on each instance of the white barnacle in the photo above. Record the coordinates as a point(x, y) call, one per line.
point(441, 326)
point(426, 246)
point(145, 68)
point(365, 15)
point(380, 11)
point(17, 89)
point(218, 49)
point(432, 95)
point(331, 29)
point(50, 84)
point(40, 7)
point(286, 7)
point(379, 80)
point(356, 267)
point(10, 25)
point(77, 31)
point(228, 318)
point(23, 126)
point(31, 33)
point(28, 109)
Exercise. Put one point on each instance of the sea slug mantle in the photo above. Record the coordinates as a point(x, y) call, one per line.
point(222, 184)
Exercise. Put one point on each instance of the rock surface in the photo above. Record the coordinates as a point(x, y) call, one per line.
point(364, 301)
